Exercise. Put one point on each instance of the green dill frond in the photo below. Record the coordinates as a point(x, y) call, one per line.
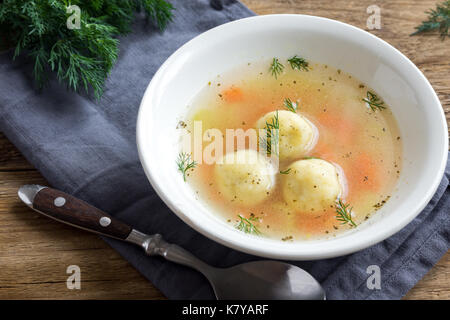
point(40, 56)
point(291, 106)
point(247, 225)
point(81, 58)
point(276, 68)
point(185, 163)
point(34, 12)
point(159, 11)
point(85, 60)
point(285, 171)
point(438, 19)
point(269, 142)
point(343, 213)
point(298, 63)
point(374, 102)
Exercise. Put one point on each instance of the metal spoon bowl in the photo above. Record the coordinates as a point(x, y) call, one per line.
point(269, 280)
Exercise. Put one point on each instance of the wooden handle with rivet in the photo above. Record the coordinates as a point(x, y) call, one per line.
point(68, 209)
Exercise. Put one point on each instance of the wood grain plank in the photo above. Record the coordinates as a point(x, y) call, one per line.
point(435, 285)
point(35, 251)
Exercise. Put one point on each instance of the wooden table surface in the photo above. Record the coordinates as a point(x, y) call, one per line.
point(35, 251)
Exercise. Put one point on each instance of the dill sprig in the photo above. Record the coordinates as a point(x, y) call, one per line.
point(291, 106)
point(80, 58)
point(276, 68)
point(247, 225)
point(438, 19)
point(269, 142)
point(184, 163)
point(310, 157)
point(344, 214)
point(285, 171)
point(374, 102)
point(298, 63)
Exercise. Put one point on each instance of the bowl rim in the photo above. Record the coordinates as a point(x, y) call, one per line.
point(249, 247)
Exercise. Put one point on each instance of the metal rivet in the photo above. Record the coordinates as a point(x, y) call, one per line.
point(105, 221)
point(59, 201)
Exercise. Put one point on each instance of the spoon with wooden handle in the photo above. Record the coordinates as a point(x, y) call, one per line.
point(252, 280)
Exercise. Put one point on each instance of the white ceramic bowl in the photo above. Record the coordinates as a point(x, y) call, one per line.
point(405, 89)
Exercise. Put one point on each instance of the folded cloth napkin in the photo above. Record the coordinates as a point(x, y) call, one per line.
point(87, 148)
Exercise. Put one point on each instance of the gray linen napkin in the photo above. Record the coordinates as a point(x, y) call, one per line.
point(88, 149)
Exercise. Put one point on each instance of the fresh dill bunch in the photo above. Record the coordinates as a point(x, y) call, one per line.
point(276, 68)
point(80, 58)
point(247, 225)
point(269, 142)
point(373, 101)
point(343, 213)
point(285, 171)
point(298, 63)
point(159, 11)
point(291, 106)
point(438, 19)
point(185, 163)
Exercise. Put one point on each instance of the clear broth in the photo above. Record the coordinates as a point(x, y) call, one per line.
point(364, 143)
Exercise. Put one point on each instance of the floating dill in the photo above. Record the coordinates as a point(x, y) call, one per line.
point(291, 106)
point(374, 102)
point(247, 225)
point(276, 68)
point(344, 214)
point(269, 142)
point(184, 163)
point(298, 63)
point(285, 171)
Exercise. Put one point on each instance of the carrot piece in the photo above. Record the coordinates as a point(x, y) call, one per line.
point(315, 223)
point(362, 174)
point(232, 94)
point(342, 128)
